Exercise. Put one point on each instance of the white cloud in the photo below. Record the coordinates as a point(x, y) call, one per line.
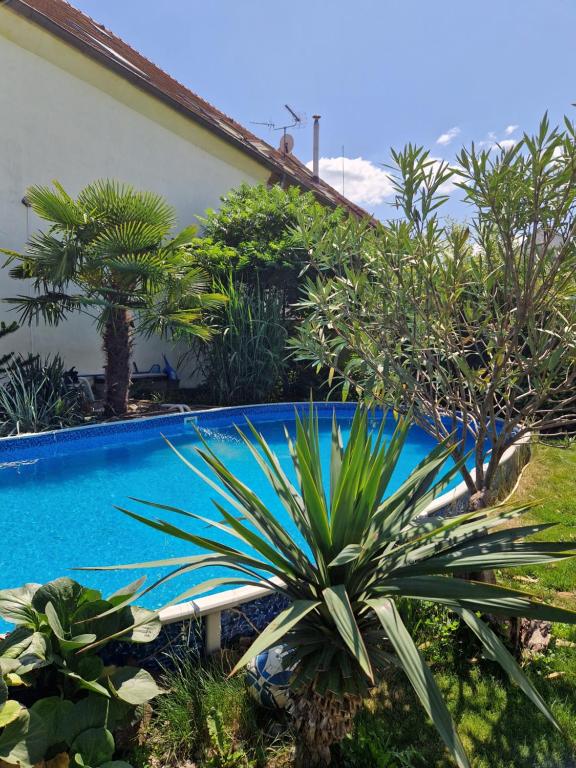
point(493, 142)
point(364, 182)
point(446, 138)
point(510, 129)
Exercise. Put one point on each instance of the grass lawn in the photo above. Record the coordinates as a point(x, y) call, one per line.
point(550, 480)
point(498, 725)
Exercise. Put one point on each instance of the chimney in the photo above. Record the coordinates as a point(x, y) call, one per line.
point(316, 147)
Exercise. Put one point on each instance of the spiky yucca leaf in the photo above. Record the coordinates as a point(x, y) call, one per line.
point(368, 548)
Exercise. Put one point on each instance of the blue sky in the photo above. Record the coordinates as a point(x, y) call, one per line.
point(380, 72)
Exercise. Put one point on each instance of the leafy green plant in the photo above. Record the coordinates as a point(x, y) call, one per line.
point(434, 628)
point(65, 699)
point(245, 360)
point(108, 254)
point(23, 737)
point(37, 395)
point(365, 550)
point(223, 752)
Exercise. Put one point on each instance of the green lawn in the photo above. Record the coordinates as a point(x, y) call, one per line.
point(550, 480)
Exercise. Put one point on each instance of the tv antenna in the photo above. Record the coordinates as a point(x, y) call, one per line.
point(297, 120)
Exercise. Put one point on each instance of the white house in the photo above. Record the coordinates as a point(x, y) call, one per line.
point(78, 104)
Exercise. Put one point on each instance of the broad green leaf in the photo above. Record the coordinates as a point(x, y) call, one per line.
point(87, 685)
point(146, 626)
point(9, 711)
point(89, 712)
point(16, 605)
point(23, 741)
point(66, 644)
point(29, 649)
point(134, 686)
point(90, 667)
point(420, 677)
point(57, 715)
point(96, 746)
point(64, 594)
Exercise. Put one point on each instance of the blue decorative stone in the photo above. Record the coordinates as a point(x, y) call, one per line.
point(268, 681)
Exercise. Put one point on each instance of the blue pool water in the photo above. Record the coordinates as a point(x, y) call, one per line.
point(57, 501)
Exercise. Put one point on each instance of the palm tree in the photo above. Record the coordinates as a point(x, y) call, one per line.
point(365, 551)
point(107, 254)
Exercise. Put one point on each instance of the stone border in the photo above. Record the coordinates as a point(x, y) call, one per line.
point(215, 610)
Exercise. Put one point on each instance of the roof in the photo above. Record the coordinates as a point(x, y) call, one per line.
point(94, 40)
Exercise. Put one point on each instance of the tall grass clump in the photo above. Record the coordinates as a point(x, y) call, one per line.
point(204, 718)
point(37, 395)
point(246, 359)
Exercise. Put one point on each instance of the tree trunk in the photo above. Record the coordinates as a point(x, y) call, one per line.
point(478, 501)
point(319, 722)
point(118, 350)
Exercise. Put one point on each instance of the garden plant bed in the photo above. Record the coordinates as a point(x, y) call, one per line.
point(498, 727)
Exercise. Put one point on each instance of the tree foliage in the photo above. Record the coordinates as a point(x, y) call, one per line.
point(252, 234)
point(471, 326)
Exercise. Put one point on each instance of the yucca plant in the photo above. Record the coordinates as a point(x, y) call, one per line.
point(365, 550)
point(37, 394)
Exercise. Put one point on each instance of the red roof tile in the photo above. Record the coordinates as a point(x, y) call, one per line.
point(94, 40)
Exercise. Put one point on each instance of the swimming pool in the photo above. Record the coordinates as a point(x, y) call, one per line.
point(58, 490)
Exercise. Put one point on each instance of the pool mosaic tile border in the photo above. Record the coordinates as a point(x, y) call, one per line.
point(93, 436)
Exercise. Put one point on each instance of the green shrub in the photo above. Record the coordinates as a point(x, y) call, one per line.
point(253, 235)
point(64, 699)
point(37, 395)
point(369, 551)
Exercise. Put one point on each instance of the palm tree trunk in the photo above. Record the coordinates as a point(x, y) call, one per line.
point(319, 722)
point(118, 350)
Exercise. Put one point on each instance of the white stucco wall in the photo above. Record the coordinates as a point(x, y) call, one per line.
point(65, 117)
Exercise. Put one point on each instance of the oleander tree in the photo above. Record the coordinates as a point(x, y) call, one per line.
point(109, 254)
point(471, 326)
point(350, 552)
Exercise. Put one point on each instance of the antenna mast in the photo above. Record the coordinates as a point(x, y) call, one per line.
point(297, 120)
